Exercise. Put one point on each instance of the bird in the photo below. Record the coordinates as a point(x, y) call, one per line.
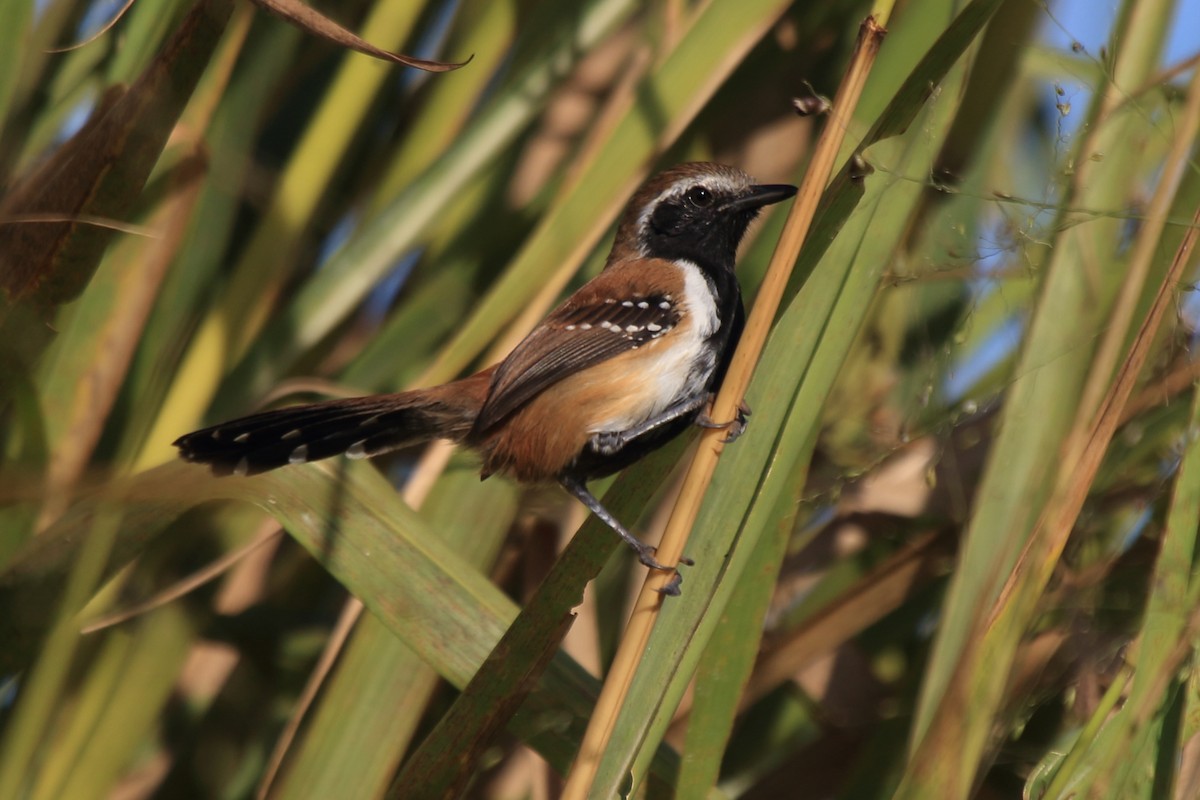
point(626, 363)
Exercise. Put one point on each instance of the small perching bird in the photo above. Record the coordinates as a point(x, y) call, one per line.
point(624, 365)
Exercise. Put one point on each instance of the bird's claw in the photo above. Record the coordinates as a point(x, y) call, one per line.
point(672, 588)
point(734, 428)
point(646, 557)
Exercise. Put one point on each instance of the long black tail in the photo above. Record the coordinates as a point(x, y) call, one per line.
point(360, 427)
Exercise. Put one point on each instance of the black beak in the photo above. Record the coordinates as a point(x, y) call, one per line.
point(759, 196)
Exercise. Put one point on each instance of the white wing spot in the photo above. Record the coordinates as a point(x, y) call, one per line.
point(627, 303)
point(665, 305)
point(570, 327)
point(299, 455)
point(587, 326)
point(643, 304)
point(654, 327)
point(241, 438)
point(632, 328)
point(610, 301)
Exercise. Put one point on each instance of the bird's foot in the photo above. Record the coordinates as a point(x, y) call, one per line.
point(646, 556)
point(734, 428)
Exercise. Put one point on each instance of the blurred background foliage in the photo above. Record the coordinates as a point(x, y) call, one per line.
point(207, 210)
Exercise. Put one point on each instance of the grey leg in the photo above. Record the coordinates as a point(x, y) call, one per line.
point(645, 552)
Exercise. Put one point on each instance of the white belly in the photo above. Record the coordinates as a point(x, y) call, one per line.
point(667, 374)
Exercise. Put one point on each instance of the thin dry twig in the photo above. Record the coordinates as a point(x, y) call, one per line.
point(189, 584)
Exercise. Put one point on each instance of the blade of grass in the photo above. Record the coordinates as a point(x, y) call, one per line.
point(1038, 405)
point(490, 699)
point(1105, 746)
point(822, 320)
point(729, 657)
point(237, 120)
point(976, 686)
point(142, 32)
point(14, 41)
point(1166, 615)
point(83, 371)
point(581, 779)
point(371, 706)
point(485, 30)
point(117, 709)
point(27, 728)
point(252, 291)
point(869, 600)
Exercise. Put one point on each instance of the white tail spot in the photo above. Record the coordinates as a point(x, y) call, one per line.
point(241, 438)
point(294, 433)
point(242, 468)
point(357, 450)
point(299, 455)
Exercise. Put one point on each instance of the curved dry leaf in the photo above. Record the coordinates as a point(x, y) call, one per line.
point(309, 20)
point(105, 28)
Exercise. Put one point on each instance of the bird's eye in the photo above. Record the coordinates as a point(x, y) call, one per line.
point(699, 196)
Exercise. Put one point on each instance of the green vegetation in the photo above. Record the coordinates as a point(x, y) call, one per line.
point(953, 555)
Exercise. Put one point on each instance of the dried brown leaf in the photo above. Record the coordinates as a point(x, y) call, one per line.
point(310, 21)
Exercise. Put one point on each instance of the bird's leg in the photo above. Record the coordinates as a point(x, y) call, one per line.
point(735, 426)
point(609, 442)
point(645, 552)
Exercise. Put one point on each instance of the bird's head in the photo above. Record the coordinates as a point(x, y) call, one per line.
point(696, 212)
